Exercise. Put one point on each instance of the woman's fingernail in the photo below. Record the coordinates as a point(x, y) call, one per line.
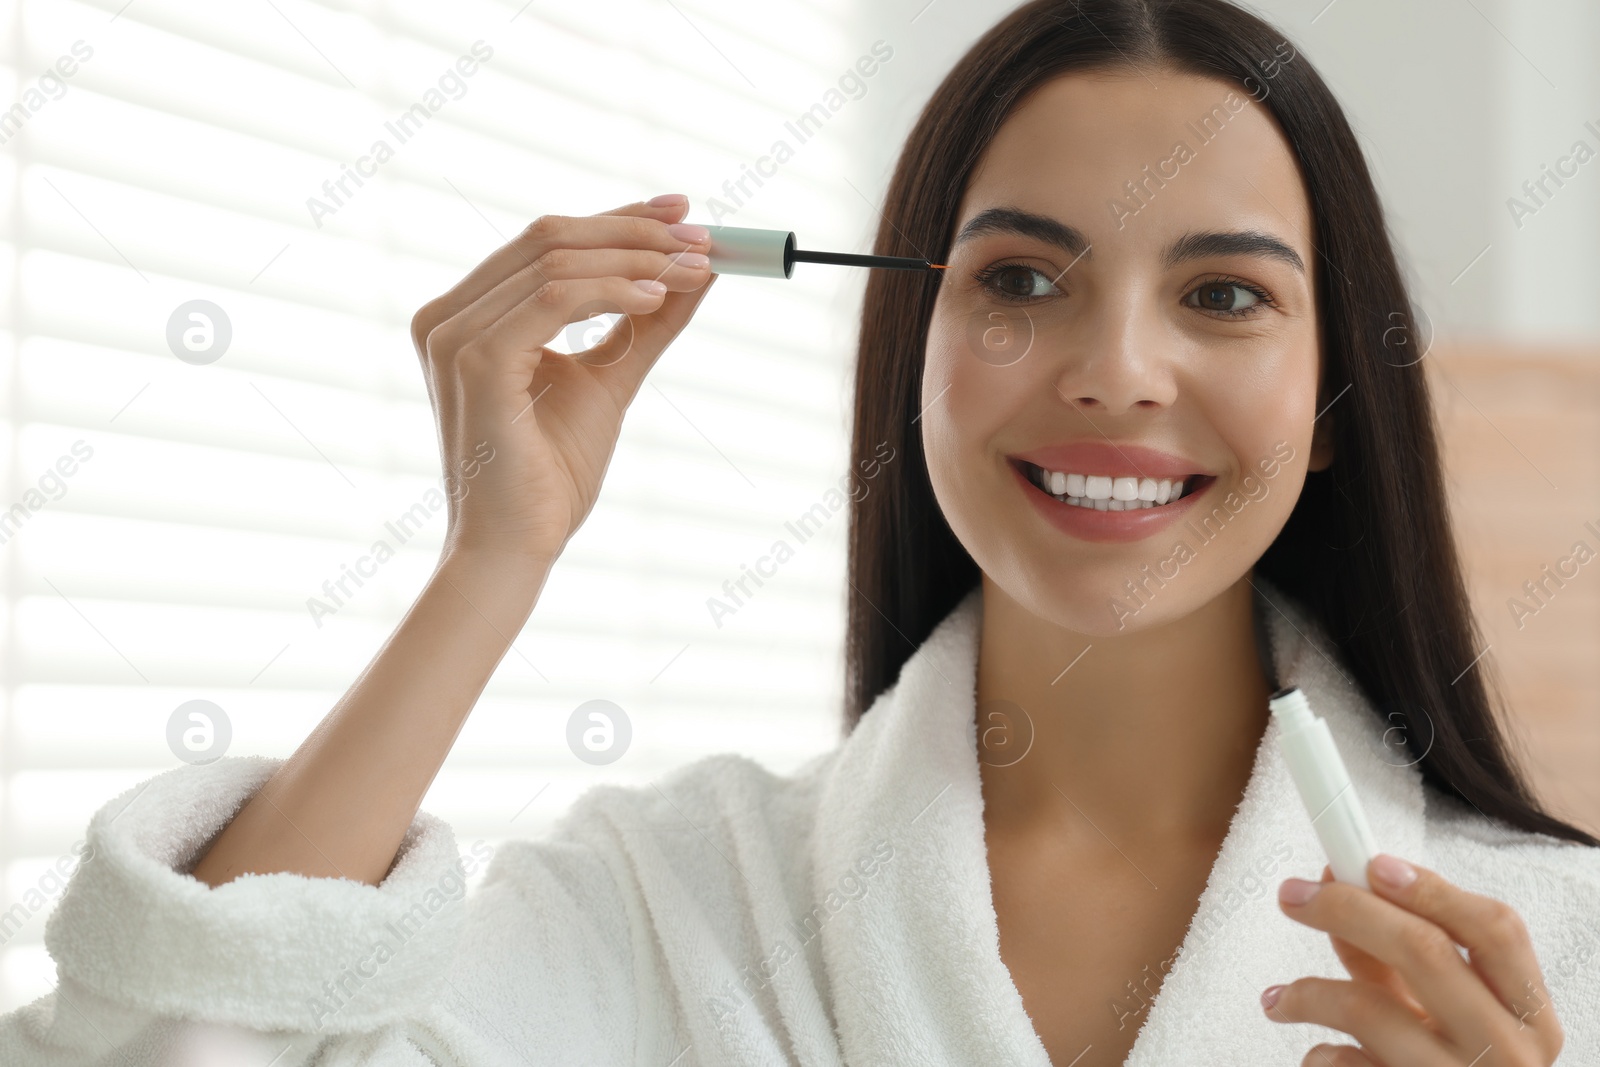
point(1297, 890)
point(651, 286)
point(1269, 997)
point(668, 200)
point(1394, 872)
point(688, 231)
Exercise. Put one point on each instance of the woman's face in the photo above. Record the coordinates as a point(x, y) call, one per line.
point(1158, 230)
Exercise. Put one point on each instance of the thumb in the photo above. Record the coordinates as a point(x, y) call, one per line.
point(650, 335)
point(657, 329)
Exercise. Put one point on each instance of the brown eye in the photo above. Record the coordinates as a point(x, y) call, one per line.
point(1229, 298)
point(1015, 282)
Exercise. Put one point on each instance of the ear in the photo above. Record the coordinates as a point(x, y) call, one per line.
point(1322, 442)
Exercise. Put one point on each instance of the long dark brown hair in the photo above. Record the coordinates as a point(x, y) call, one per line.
point(1368, 549)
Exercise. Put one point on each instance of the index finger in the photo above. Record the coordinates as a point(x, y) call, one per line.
point(641, 224)
point(1492, 932)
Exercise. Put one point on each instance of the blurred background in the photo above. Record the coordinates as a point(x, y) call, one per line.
point(219, 481)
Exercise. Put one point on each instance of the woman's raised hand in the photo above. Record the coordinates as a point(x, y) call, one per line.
point(526, 433)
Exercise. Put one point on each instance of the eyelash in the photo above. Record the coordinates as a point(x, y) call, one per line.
point(985, 276)
point(1261, 295)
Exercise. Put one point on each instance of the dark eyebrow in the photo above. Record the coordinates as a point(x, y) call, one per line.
point(1231, 243)
point(1027, 224)
point(1070, 239)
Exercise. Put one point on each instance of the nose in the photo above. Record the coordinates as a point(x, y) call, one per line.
point(1117, 360)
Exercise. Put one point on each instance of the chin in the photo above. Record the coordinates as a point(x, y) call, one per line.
point(1102, 590)
point(1084, 599)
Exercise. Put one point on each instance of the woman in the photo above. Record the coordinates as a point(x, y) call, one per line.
point(1144, 451)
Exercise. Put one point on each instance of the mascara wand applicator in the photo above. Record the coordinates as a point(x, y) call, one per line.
point(772, 254)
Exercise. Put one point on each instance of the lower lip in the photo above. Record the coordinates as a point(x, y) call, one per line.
point(1089, 524)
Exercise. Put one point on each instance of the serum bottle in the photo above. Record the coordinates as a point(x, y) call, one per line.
point(1319, 774)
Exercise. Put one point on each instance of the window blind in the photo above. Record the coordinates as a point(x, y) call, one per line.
point(294, 179)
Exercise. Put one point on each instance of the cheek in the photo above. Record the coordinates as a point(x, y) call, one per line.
point(967, 407)
point(1262, 413)
point(1264, 418)
point(966, 404)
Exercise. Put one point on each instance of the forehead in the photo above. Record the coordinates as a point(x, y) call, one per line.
point(1178, 151)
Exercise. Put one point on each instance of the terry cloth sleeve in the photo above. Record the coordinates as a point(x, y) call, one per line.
point(550, 967)
point(156, 967)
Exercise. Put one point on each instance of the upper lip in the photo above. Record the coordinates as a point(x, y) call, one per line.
point(1108, 458)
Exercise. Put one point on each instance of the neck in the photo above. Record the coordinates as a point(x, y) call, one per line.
point(1150, 734)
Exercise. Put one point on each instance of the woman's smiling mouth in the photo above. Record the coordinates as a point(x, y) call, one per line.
point(1098, 491)
point(1112, 492)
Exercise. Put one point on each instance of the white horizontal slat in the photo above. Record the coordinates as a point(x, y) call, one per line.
point(191, 565)
point(260, 74)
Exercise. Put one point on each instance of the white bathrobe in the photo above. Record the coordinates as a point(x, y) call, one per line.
point(726, 915)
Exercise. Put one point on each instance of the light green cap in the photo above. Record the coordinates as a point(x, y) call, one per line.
point(758, 253)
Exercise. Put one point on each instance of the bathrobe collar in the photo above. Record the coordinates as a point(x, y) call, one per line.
point(915, 963)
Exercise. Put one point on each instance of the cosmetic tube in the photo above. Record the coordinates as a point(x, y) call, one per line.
point(772, 254)
point(757, 253)
point(1319, 774)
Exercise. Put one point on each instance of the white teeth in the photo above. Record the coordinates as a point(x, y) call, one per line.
point(1104, 492)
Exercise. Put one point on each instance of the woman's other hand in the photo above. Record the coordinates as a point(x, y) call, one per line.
point(1414, 1000)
